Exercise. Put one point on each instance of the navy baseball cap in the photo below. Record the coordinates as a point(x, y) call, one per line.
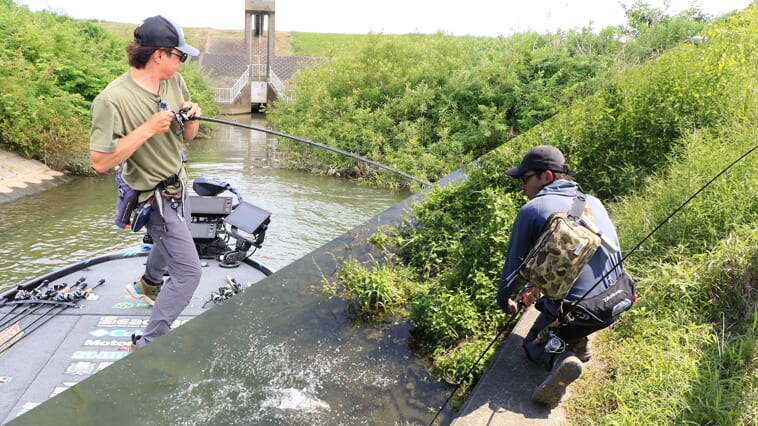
point(541, 157)
point(158, 31)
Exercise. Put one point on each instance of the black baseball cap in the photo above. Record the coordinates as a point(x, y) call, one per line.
point(158, 31)
point(541, 157)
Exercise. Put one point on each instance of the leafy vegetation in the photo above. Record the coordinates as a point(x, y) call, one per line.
point(415, 102)
point(645, 141)
point(51, 68)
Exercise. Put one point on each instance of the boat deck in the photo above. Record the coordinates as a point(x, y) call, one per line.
point(49, 348)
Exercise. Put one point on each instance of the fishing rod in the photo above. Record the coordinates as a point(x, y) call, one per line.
point(32, 300)
point(572, 306)
point(182, 117)
point(36, 300)
point(7, 297)
point(514, 274)
point(64, 301)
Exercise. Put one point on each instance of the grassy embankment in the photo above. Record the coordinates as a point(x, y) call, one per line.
point(686, 353)
point(52, 67)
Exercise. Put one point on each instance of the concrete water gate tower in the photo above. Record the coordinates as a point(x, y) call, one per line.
point(259, 17)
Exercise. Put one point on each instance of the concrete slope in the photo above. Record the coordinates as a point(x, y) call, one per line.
point(503, 394)
point(21, 176)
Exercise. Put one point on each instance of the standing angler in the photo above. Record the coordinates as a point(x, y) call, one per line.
point(134, 127)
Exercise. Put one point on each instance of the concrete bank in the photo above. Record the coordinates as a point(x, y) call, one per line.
point(21, 176)
point(503, 395)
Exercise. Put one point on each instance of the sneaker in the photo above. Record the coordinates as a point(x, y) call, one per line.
point(583, 351)
point(140, 289)
point(551, 390)
point(133, 347)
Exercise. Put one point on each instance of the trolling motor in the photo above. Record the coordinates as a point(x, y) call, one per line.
point(215, 218)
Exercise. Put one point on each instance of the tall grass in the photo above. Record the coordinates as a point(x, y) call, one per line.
point(687, 353)
point(644, 143)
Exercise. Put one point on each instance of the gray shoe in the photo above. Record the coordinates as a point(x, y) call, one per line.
point(551, 390)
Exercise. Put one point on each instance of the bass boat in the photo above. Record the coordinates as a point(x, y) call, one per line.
point(66, 325)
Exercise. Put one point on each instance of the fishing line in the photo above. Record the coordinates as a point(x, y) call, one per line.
point(312, 143)
point(471, 370)
point(572, 306)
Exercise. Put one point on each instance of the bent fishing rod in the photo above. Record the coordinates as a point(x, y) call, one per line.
point(521, 306)
point(181, 117)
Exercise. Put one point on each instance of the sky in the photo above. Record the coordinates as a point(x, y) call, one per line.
point(456, 17)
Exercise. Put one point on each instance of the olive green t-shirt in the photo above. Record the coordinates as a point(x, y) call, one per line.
point(123, 106)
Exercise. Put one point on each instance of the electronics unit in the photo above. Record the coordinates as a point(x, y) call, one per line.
point(210, 206)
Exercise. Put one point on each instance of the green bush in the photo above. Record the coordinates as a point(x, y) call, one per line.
point(51, 68)
point(54, 67)
point(429, 104)
point(645, 143)
point(374, 291)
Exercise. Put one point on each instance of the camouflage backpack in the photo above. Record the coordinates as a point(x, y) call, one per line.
point(565, 247)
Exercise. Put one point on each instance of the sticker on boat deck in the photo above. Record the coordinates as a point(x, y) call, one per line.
point(28, 406)
point(59, 389)
point(85, 368)
point(9, 332)
point(112, 321)
point(101, 332)
point(99, 342)
point(110, 355)
point(115, 321)
point(129, 305)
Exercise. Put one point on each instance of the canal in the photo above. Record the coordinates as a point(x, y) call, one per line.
point(282, 354)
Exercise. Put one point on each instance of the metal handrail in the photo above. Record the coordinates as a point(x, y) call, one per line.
point(229, 95)
point(255, 71)
point(258, 71)
point(277, 84)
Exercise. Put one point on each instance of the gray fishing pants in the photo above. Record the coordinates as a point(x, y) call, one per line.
point(173, 252)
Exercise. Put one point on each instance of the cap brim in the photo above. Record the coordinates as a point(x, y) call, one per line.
point(186, 48)
point(517, 171)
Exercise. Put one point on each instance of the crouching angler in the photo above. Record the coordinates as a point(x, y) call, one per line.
point(564, 245)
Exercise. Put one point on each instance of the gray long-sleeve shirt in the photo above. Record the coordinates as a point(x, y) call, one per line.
point(527, 227)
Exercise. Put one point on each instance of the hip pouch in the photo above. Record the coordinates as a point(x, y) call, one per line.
point(565, 247)
point(604, 308)
point(130, 211)
point(126, 202)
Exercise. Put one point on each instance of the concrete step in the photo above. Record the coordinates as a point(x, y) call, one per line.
point(503, 394)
